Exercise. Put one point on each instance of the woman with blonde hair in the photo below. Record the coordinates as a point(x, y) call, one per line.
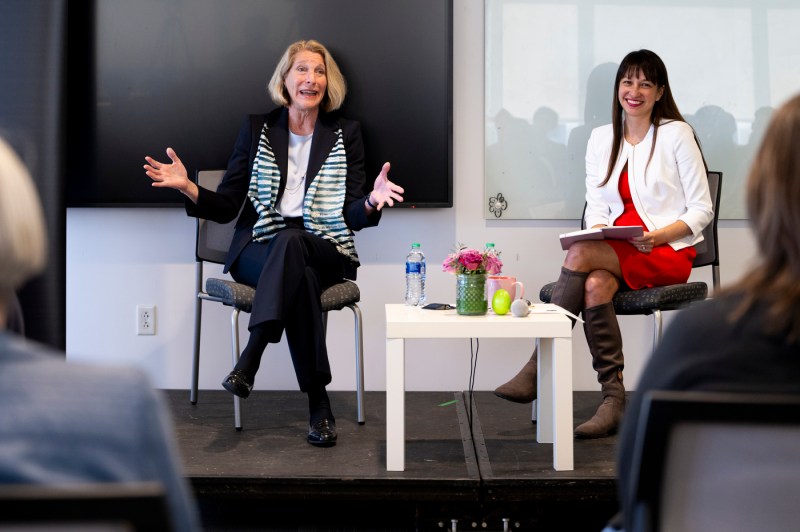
point(23, 239)
point(299, 171)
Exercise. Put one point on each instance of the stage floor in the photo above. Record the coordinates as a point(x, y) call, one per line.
point(477, 469)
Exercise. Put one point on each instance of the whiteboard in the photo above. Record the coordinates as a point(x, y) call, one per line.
point(550, 70)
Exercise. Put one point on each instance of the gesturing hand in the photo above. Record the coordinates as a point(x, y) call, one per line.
point(385, 192)
point(170, 175)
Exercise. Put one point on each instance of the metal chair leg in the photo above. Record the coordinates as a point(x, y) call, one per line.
point(237, 412)
point(198, 314)
point(656, 328)
point(359, 345)
point(359, 342)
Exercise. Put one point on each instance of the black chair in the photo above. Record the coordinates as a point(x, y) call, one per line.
point(671, 297)
point(716, 461)
point(140, 507)
point(213, 240)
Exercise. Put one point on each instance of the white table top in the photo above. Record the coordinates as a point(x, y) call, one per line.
point(544, 321)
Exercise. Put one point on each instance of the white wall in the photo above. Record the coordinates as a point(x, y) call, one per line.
point(118, 258)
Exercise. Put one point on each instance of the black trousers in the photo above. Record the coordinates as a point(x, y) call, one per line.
point(289, 273)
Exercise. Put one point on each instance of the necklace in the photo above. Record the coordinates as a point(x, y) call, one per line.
point(299, 146)
point(291, 189)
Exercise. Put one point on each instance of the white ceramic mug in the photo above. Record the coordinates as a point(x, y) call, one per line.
point(507, 283)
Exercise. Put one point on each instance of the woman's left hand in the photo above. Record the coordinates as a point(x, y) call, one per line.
point(650, 239)
point(644, 243)
point(385, 192)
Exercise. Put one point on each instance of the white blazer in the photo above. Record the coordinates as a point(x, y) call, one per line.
point(673, 186)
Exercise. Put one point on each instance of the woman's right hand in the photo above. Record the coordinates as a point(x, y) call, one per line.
point(171, 175)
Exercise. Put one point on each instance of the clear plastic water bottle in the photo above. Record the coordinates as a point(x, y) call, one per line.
point(415, 276)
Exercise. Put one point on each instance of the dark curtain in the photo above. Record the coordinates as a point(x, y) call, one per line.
point(32, 70)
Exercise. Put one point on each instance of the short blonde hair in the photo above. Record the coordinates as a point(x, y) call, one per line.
point(23, 241)
point(337, 88)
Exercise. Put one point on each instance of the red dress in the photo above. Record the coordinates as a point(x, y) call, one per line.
point(662, 266)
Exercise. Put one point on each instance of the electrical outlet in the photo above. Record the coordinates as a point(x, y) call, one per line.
point(145, 319)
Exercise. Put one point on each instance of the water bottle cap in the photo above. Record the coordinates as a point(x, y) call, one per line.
point(415, 245)
point(490, 244)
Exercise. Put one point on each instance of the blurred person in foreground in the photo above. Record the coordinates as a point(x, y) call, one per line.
point(747, 338)
point(66, 424)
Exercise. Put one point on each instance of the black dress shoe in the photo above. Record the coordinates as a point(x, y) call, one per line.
point(322, 433)
point(236, 382)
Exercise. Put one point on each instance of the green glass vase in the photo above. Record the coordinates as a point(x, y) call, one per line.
point(471, 294)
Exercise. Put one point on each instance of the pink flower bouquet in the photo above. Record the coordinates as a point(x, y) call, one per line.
point(471, 261)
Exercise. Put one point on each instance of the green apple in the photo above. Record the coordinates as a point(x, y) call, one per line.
point(501, 302)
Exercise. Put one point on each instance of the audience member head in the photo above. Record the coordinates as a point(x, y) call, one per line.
point(22, 228)
point(337, 88)
point(773, 196)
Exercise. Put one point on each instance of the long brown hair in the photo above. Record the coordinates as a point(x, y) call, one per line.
point(665, 109)
point(773, 196)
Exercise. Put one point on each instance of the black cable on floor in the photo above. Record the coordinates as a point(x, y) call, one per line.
point(473, 365)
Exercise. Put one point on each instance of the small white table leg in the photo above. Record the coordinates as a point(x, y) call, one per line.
point(562, 405)
point(554, 401)
point(395, 405)
point(544, 390)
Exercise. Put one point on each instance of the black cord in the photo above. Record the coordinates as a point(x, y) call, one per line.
point(473, 365)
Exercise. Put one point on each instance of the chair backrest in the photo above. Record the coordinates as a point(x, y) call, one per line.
point(716, 461)
point(708, 249)
point(139, 506)
point(213, 239)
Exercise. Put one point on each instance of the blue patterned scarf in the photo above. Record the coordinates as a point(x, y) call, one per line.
point(322, 205)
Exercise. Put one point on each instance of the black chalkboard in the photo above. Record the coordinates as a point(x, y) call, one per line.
point(149, 74)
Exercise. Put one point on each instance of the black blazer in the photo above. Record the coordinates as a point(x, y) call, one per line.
point(223, 205)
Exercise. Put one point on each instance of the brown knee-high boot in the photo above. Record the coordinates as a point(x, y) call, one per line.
point(605, 344)
point(568, 293)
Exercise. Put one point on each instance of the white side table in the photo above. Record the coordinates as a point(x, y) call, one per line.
point(553, 332)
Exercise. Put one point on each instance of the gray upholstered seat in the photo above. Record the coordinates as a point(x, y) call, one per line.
point(671, 297)
point(240, 296)
point(231, 293)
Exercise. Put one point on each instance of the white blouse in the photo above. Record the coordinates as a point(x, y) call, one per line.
point(291, 204)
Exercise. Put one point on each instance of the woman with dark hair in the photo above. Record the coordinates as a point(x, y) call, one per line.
point(299, 171)
point(646, 169)
point(747, 338)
